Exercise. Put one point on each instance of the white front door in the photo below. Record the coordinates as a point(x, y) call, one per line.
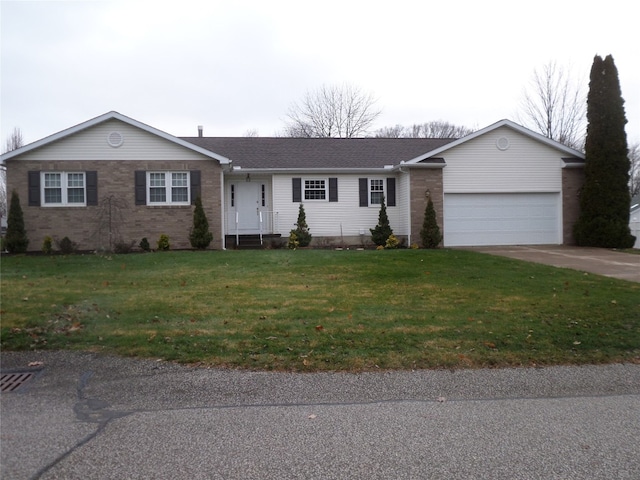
point(247, 204)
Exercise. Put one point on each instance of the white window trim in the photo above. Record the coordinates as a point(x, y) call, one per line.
point(168, 186)
point(326, 189)
point(64, 186)
point(384, 192)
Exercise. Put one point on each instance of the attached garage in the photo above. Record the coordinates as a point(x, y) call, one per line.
point(502, 219)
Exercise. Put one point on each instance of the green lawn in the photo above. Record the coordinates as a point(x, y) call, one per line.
point(310, 310)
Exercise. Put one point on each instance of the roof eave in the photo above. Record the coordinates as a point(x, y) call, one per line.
point(494, 126)
point(103, 118)
point(240, 170)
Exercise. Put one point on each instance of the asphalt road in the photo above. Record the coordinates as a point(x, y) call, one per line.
point(87, 416)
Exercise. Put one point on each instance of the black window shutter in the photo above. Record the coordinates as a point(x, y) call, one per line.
point(391, 192)
point(333, 189)
point(297, 189)
point(141, 187)
point(91, 177)
point(34, 189)
point(364, 192)
point(195, 185)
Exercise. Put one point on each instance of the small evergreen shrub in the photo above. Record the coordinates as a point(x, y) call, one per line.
point(392, 242)
point(15, 240)
point(121, 246)
point(144, 245)
point(200, 236)
point(293, 240)
point(430, 233)
point(382, 230)
point(302, 229)
point(163, 243)
point(66, 246)
point(47, 245)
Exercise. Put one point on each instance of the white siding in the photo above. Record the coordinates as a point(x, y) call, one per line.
point(479, 166)
point(328, 218)
point(91, 144)
point(402, 213)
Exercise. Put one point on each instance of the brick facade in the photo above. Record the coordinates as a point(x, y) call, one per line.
point(423, 179)
point(89, 226)
point(572, 181)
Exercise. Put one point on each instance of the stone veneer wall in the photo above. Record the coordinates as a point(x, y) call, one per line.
point(116, 178)
point(572, 181)
point(421, 180)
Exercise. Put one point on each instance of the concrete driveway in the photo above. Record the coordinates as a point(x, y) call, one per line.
point(601, 261)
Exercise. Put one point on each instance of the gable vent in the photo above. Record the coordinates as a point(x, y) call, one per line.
point(502, 143)
point(115, 139)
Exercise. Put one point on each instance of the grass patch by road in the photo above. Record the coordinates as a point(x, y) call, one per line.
point(311, 310)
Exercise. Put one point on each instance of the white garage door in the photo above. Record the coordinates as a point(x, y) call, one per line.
point(501, 219)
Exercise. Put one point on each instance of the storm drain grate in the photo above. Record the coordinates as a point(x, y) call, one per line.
point(10, 382)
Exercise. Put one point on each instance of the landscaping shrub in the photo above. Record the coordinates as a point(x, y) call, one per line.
point(200, 236)
point(392, 242)
point(163, 243)
point(47, 245)
point(66, 246)
point(293, 240)
point(382, 230)
point(120, 246)
point(430, 233)
point(15, 240)
point(144, 245)
point(303, 236)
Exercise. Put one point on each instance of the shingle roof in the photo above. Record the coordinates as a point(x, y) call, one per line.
point(308, 153)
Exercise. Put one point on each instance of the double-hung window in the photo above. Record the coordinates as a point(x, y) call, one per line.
point(168, 188)
point(376, 191)
point(315, 189)
point(64, 188)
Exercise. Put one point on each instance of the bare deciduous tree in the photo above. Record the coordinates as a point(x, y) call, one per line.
point(433, 129)
point(634, 173)
point(555, 106)
point(14, 141)
point(332, 111)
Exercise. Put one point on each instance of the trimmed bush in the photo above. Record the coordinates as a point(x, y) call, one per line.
point(144, 245)
point(163, 243)
point(66, 246)
point(293, 240)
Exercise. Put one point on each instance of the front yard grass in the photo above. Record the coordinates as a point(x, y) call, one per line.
point(311, 310)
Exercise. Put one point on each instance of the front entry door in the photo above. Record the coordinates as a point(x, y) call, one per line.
point(248, 200)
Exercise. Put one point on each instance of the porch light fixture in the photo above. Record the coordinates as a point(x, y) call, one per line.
point(248, 179)
point(427, 194)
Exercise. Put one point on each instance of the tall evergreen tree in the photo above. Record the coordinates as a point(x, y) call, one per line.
point(16, 240)
point(382, 230)
point(604, 198)
point(200, 236)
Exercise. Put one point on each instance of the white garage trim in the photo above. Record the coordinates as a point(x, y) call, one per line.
point(502, 219)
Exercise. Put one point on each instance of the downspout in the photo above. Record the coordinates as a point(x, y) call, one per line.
point(222, 210)
point(406, 172)
point(408, 207)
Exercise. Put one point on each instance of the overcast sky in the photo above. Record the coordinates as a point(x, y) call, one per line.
point(236, 66)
